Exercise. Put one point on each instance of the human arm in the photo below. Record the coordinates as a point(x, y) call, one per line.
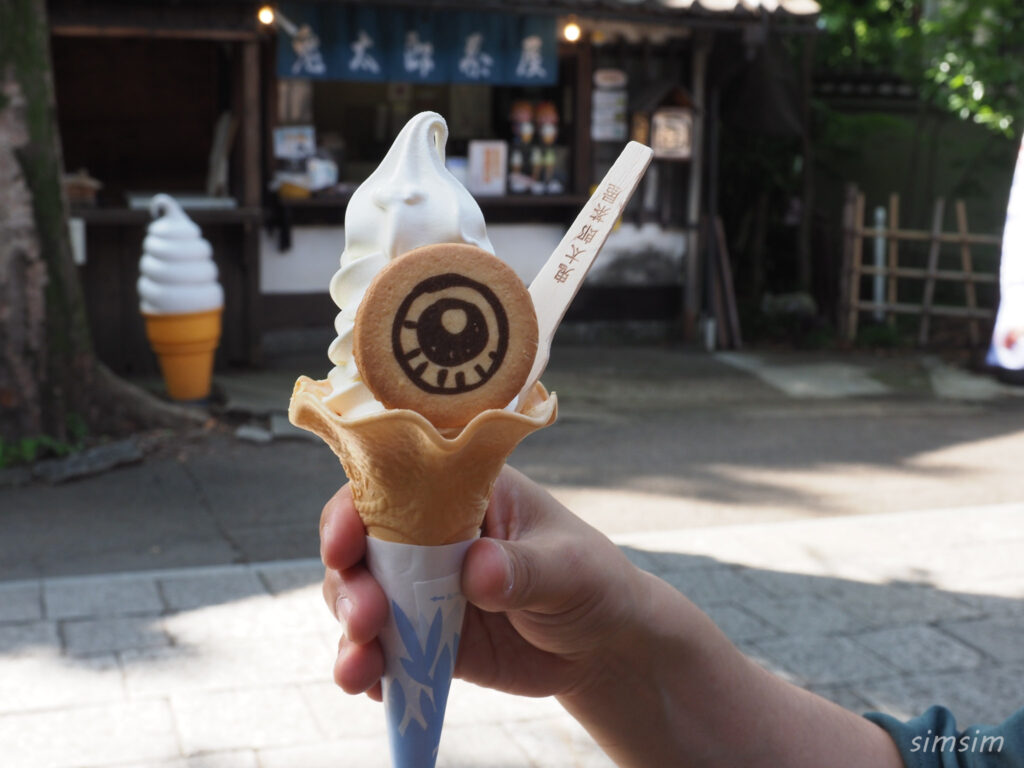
point(557, 609)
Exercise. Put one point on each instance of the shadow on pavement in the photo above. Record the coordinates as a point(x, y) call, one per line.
point(897, 647)
point(660, 438)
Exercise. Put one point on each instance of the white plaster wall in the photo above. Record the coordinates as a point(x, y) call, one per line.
point(307, 267)
point(315, 254)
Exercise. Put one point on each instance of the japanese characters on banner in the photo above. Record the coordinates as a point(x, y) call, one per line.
point(345, 42)
point(1007, 349)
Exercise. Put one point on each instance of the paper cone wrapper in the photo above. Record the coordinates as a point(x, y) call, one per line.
point(420, 641)
point(410, 483)
point(184, 345)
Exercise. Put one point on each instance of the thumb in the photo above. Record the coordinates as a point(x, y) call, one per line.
point(503, 575)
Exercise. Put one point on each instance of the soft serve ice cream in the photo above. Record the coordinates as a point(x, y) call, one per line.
point(178, 275)
point(180, 299)
point(410, 200)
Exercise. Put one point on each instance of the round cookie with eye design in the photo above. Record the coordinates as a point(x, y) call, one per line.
point(446, 330)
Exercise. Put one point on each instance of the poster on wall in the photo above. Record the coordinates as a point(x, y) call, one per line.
point(1007, 349)
point(363, 43)
point(609, 106)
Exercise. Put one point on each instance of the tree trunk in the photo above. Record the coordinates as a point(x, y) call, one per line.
point(48, 373)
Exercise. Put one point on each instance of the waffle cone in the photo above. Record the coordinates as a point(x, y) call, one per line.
point(410, 483)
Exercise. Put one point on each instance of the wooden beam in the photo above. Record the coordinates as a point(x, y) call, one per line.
point(894, 253)
point(936, 309)
point(939, 274)
point(970, 293)
point(250, 126)
point(582, 171)
point(933, 266)
point(219, 35)
point(856, 257)
point(732, 316)
point(855, 232)
point(846, 261)
point(913, 235)
point(698, 87)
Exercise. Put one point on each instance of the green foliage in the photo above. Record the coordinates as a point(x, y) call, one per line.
point(30, 449)
point(963, 55)
point(881, 336)
point(840, 137)
point(789, 330)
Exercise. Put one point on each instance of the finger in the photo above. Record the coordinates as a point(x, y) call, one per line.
point(332, 590)
point(342, 534)
point(358, 668)
point(535, 574)
point(519, 506)
point(356, 600)
point(361, 604)
point(487, 575)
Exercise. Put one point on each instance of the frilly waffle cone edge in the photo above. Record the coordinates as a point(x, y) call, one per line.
point(410, 483)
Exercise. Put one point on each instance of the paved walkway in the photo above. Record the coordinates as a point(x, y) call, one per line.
point(229, 667)
point(192, 665)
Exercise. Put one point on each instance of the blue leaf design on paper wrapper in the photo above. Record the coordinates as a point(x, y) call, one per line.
point(427, 708)
point(433, 636)
point(396, 702)
point(408, 634)
point(416, 671)
point(430, 666)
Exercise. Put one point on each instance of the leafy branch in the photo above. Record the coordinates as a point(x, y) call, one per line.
point(961, 55)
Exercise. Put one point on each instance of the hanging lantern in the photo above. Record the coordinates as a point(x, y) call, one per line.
point(672, 133)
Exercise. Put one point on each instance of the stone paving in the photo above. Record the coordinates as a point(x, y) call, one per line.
point(829, 378)
point(230, 666)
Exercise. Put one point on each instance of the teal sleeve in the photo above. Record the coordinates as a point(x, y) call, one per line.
point(933, 741)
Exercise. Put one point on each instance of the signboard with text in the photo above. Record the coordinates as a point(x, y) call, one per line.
point(330, 42)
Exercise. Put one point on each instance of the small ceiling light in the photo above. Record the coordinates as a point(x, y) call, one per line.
point(571, 32)
point(266, 15)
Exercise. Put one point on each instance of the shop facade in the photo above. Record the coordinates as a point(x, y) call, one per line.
point(264, 120)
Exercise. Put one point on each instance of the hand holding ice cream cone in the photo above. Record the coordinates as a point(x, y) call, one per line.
point(422, 472)
point(435, 381)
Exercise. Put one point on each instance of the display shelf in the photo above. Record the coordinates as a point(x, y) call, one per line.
point(101, 215)
point(497, 209)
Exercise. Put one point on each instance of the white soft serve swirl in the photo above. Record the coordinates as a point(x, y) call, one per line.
point(410, 200)
point(178, 275)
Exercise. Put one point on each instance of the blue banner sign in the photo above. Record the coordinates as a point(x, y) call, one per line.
point(346, 42)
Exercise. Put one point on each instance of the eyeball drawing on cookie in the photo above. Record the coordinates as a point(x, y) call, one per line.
point(446, 330)
point(450, 334)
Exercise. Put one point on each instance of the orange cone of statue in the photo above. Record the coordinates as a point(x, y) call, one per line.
point(185, 345)
point(180, 300)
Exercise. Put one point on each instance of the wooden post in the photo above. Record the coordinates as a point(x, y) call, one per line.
point(846, 259)
point(933, 266)
point(252, 194)
point(716, 302)
point(728, 293)
point(894, 254)
point(250, 125)
point(582, 171)
point(968, 269)
point(856, 257)
point(692, 285)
